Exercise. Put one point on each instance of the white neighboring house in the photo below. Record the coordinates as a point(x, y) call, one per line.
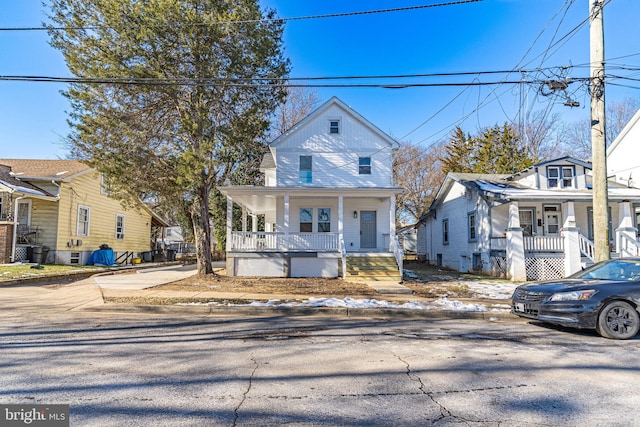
point(534, 225)
point(623, 155)
point(327, 207)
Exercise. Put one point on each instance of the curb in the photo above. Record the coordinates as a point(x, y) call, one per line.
point(395, 313)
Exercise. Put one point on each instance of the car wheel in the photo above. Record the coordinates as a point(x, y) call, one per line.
point(618, 320)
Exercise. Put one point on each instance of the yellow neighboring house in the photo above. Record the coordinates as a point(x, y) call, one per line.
point(60, 210)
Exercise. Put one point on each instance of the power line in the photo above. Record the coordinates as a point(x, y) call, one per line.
point(255, 21)
point(256, 82)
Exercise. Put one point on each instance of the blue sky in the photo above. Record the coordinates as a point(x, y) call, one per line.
point(490, 35)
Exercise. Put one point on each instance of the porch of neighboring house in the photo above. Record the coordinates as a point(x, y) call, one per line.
point(564, 247)
point(324, 235)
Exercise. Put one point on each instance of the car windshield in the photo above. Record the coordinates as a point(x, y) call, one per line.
point(612, 270)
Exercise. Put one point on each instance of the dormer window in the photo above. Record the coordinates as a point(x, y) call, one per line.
point(334, 126)
point(560, 177)
point(567, 177)
point(553, 174)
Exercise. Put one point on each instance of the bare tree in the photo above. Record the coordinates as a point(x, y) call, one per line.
point(298, 104)
point(577, 136)
point(419, 171)
point(539, 135)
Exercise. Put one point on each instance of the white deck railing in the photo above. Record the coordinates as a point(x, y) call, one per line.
point(532, 244)
point(587, 248)
point(628, 246)
point(394, 246)
point(543, 244)
point(252, 241)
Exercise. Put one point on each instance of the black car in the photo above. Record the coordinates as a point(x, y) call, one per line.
point(604, 297)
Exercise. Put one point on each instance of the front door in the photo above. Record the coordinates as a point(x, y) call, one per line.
point(24, 213)
point(551, 221)
point(368, 229)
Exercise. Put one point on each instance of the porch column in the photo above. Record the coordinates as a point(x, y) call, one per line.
point(340, 217)
point(229, 222)
point(571, 241)
point(626, 232)
point(254, 223)
point(244, 219)
point(285, 225)
point(392, 215)
point(516, 268)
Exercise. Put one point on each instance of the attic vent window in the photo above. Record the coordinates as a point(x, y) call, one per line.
point(334, 126)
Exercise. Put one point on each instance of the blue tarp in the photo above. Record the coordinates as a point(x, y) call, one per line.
point(102, 257)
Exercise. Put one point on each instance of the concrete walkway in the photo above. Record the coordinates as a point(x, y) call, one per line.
point(147, 278)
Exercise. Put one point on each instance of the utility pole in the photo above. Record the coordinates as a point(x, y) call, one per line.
point(598, 135)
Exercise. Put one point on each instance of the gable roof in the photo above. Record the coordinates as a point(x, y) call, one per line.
point(8, 180)
point(569, 159)
point(623, 133)
point(45, 170)
point(318, 111)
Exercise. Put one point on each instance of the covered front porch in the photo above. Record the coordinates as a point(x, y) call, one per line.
point(544, 241)
point(307, 232)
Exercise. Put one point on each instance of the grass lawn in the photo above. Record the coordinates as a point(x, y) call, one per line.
point(21, 271)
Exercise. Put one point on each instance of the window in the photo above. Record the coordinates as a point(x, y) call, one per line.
point(334, 126)
point(306, 174)
point(104, 188)
point(553, 174)
point(84, 216)
point(119, 226)
point(445, 231)
point(560, 177)
point(364, 165)
point(526, 221)
point(567, 177)
point(324, 220)
point(471, 223)
point(306, 220)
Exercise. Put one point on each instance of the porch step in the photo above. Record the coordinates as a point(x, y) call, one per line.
point(372, 268)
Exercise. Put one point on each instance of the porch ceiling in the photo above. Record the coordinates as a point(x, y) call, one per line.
point(259, 199)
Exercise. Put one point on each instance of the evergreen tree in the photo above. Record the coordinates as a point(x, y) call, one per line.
point(458, 153)
point(181, 98)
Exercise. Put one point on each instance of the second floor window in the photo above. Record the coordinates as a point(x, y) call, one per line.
point(560, 177)
point(306, 173)
point(84, 216)
point(364, 167)
point(334, 126)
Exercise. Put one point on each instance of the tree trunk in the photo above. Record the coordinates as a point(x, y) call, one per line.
point(202, 232)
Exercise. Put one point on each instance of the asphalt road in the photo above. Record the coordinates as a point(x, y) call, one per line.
point(116, 369)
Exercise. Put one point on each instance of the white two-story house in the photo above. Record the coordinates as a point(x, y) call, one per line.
point(533, 225)
point(327, 206)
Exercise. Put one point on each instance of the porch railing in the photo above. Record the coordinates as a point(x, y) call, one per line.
point(543, 244)
point(394, 246)
point(628, 246)
point(586, 248)
point(532, 244)
point(278, 241)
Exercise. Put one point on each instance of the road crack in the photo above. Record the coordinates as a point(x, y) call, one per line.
point(244, 395)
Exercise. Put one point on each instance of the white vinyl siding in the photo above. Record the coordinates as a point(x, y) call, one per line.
point(335, 156)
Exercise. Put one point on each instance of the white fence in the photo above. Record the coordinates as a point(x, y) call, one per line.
point(269, 241)
point(532, 244)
